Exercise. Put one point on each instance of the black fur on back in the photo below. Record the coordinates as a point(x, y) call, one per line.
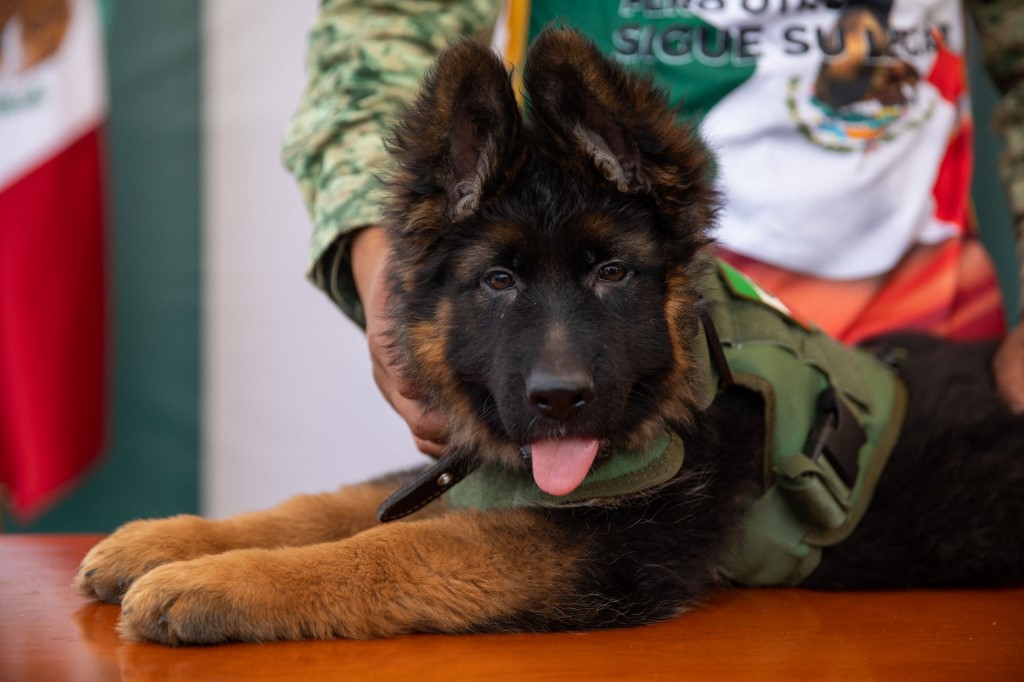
point(949, 509)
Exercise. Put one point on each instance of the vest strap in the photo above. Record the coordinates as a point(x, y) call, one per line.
point(718, 359)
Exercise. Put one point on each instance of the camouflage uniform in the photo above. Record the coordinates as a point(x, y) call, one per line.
point(367, 56)
point(365, 59)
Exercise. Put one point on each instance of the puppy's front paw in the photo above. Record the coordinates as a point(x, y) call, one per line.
point(110, 567)
point(174, 604)
point(235, 596)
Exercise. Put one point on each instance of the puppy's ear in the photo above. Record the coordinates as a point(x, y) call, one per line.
point(458, 142)
point(594, 109)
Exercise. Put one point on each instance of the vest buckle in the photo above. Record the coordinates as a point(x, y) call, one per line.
point(837, 435)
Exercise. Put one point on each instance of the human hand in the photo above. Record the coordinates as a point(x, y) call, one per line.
point(1008, 368)
point(370, 256)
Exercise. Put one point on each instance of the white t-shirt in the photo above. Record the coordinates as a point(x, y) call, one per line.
point(842, 129)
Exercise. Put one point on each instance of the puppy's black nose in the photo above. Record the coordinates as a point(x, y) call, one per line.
point(559, 396)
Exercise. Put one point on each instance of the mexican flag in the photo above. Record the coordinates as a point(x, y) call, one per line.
point(53, 312)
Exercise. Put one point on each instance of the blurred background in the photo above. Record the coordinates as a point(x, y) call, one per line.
point(232, 383)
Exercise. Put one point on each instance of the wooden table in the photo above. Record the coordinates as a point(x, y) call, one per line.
point(47, 632)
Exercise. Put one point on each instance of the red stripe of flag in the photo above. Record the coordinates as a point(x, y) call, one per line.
point(53, 324)
point(953, 183)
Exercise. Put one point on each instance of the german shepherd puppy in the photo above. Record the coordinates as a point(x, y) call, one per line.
point(547, 299)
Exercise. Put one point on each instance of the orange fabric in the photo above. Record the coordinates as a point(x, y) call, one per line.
point(949, 289)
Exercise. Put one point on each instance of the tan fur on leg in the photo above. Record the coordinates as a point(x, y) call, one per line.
point(456, 574)
point(136, 548)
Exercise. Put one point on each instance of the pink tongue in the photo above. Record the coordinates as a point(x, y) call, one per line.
point(560, 465)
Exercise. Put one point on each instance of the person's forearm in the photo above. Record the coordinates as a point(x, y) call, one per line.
point(369, 257)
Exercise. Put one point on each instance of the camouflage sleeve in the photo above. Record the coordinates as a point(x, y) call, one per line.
point(1001, 26)
point(365, 58)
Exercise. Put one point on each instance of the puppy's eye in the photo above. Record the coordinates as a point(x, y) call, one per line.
point(499, 280)
point(613, 272)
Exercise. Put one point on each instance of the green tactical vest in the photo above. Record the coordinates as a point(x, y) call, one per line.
point(807, 504)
